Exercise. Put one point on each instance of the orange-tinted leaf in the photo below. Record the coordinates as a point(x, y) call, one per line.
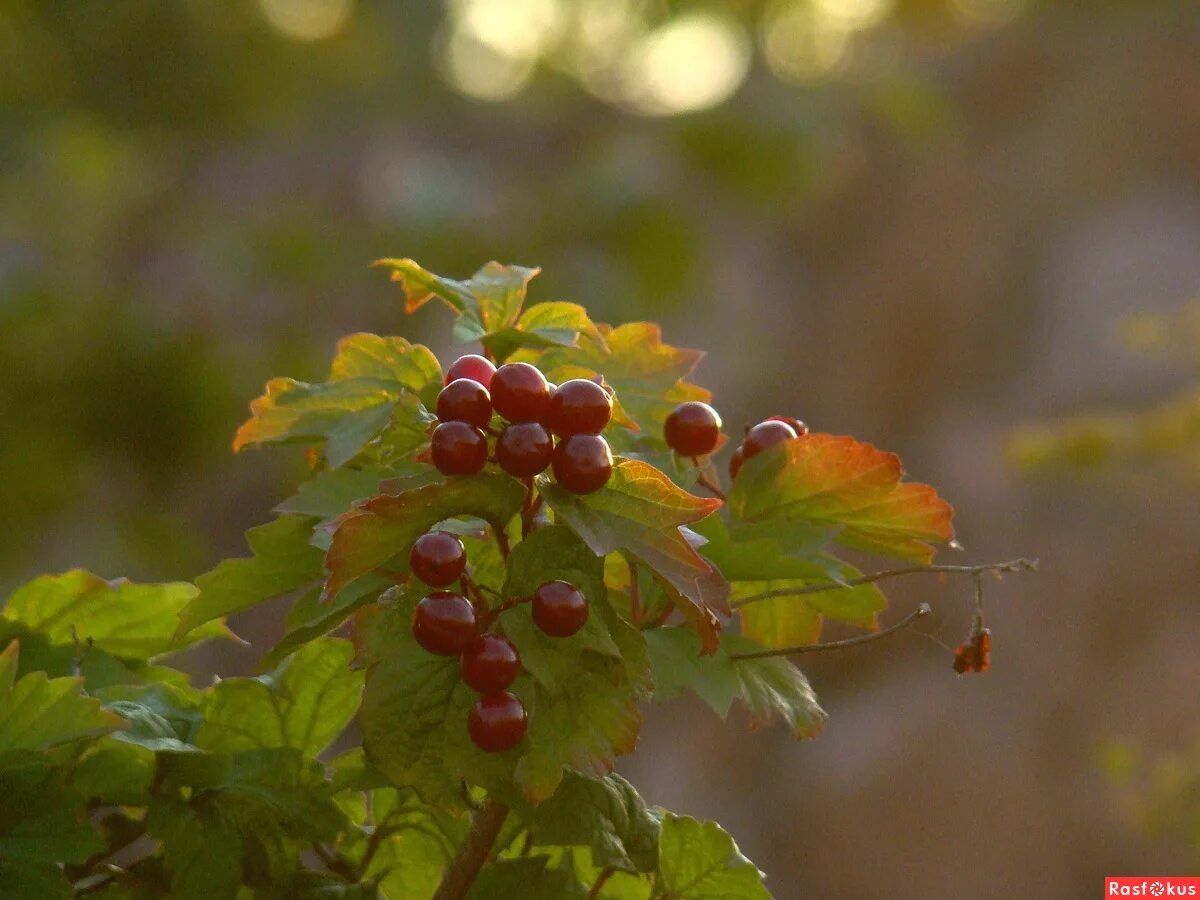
point(384, 526)
point(830, 480)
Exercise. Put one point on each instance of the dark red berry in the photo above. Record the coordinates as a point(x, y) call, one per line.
point(735, 461)
point(438, 558)
point(559, 608)
point(796, 425)
point(520, 393)
point(458, 448)
point(497, 722)
point(582, 463)
point(524, 449)
point(473, 367)
point(465, 400)
point(766, 434)
point(692, 429)
point(444, 623)
point(490, 663)
point(579, 406)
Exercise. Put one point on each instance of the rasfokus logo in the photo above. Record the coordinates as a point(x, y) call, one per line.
point(1147, 886)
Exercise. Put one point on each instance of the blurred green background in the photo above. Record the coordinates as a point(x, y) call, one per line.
point(918, 221)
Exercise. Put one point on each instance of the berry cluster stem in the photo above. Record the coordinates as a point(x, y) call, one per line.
point(919, 613)
point(474, 852)
point(707, 483)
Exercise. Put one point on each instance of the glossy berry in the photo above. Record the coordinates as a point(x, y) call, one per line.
point(473, 367)
point(465, 400)
point(559, 608)
point(490, 663)
point(692, 429)
point(520, 393)
point(458, 448)
point(579, 406)
point(766, 434)
point(438, 558)
point(524, 449)
point(582, 463)
point(735, 461)
point(497, 722)
point(796, 425)
point(444, 623)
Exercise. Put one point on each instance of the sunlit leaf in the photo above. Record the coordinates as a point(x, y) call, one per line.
point(305, 703)
point(39, 713)
point(700, 861)
point(130, 621)
point(828, 480)
point(543, 325)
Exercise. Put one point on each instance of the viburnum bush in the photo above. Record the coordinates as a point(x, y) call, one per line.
point(518, 549)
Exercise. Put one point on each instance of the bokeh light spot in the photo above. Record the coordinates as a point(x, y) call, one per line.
point(307, 20)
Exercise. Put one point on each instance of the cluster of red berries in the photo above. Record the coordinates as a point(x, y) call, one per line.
point(445, 623)
point(534, 410)
point(766, 433)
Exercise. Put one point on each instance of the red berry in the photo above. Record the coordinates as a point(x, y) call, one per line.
point(582, 463)
point(444, 623)
point(692, 429)
point(735, 461)
point(559, 608)
point(524, 449)
point(497, 722)
point(438, 558)
point(796, 425)
point(473, 367)
point(520, 393)
point(766, 434)
point(490, 663)
point(458, 448)
point(579, 406)
point(465, 400)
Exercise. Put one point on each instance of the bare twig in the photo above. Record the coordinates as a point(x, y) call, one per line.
point(334, 863)
point(1012, 565)
point(919, 613)
point(463, 871)
point(705, 482)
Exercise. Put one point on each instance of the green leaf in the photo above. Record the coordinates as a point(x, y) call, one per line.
point(41, 820)
point(202, 853)
point(127, 620)
point(679, 664)
point(157, 716)
point(605, 814)
point(39, 713)
point(490, 300)
point(34, 881)
point(640, 511)
point(415, 706)
point(305, 703)
point(700, 861)
point(330, 493)
point(825, 480)
point(773, 688)
point(310, 618)
point(8, 665)
point(542, 325)
point(283, 561)
point(384, 526)
point(369, 376)
point(549, 554)
point(529, 878)
point(646, 373)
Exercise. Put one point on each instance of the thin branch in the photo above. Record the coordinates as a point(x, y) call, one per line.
point(1013, 565)
point(373, 845)
point(919, 613)
point(606, 873)
point(474, 852)
point(334, 863)
point(502, 542)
